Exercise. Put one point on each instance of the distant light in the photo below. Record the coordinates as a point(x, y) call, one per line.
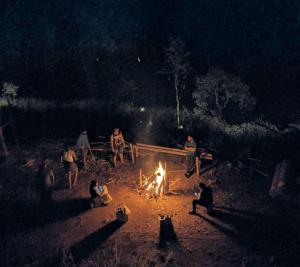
point(138, 58)
point(180, 126)
point(142, 109)
point(97, 59)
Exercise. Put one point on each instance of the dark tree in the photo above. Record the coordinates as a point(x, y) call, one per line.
point(217, 91)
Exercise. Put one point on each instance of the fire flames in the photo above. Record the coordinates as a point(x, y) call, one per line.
point(155, 184)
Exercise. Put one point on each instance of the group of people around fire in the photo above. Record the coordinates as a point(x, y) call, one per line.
point(99, 192)
point(69, 157)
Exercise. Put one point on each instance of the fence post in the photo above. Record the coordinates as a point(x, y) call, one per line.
point(167, 182)
point(198, 166)
point(132, 154)
point(136, 151)
point(141, 177)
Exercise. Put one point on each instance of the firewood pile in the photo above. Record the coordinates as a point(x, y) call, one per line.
point(154, 185)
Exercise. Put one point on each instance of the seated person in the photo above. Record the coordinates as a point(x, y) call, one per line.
point(205, 199)
point(99, 194)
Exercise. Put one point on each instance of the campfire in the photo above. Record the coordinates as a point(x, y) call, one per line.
point(156, 184)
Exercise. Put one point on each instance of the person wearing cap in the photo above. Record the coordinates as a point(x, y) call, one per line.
point(84, 145)
point(190, 146)
point(205, 199)
point(117, 145)
point(68, 158)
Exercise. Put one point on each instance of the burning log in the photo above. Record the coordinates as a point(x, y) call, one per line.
point(156, 184)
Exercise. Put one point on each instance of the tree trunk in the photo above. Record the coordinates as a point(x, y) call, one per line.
point(3, 142)
point(176, 81)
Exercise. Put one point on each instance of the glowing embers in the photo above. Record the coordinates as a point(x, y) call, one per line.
point(156, 184)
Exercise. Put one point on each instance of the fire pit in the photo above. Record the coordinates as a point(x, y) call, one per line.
point(155, 185)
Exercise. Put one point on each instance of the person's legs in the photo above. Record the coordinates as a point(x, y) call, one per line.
point(115, 154)
point(75, 175)
point(69, 175)
point(84, 156)
point(115, 159)
point(52, 177)
point(190, 166)
point(195, 203)
point(210, 208)
point(121, 158)
point(121, 153)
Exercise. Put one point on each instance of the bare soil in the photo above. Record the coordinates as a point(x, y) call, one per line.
point(244, 230)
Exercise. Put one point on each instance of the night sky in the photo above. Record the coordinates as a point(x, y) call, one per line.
point(90, 47)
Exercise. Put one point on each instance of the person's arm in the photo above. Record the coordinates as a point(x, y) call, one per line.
point(105, 190)
point(97, 191)
point(190, 148)
point(78, 142)
point(123, 140)
point(51, 174)
point(74, 155)
point(185, 146)
point(88, 142)
point(112, 143)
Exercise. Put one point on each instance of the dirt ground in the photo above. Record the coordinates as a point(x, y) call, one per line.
point(244, 229)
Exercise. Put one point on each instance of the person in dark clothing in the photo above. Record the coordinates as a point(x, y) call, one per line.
point(191, 147)
point(205, 199)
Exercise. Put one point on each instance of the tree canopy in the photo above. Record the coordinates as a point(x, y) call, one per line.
point(220, 94)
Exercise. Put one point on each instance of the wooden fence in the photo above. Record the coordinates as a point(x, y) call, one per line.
point(139, 147)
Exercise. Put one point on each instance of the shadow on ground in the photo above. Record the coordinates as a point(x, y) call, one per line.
point(19, 216)
point(85, 247)
point(167, 234)
point(268, 235)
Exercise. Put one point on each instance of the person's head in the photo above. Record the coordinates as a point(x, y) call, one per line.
point(116, 131)
point(42, 164)
point(94, 183)
point(202, 185)
point(68, 146)
point(189, 138)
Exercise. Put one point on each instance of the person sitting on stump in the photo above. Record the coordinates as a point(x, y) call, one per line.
point(99, 194)
point(68, 158)
point(191, 147)
point(117, 145)
point(205, 199)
